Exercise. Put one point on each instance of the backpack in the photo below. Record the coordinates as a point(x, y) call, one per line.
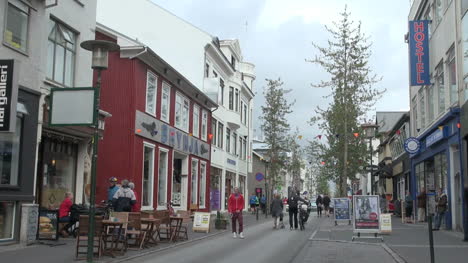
point(253, 200)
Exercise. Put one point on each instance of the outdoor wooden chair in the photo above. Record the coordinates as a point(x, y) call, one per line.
point(134, 230)
point(122, 241)
point(183, 232)
point(82, 237)
point(165, 225)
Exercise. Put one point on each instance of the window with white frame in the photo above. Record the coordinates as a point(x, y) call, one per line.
point(162, 177)
point(148, 175)
point(452, 74)
point(196, 121)
point(246, 113)
point(241, 151)
point(221, 92)
point(165, 102)
point(231, 98)
point(439, 80)
point(16, 26)
point(228, 140)
point(428, 16)
point(220, 135)
point(214, 131)
point(194, 183)
point(237, 100)
point(204, 125)
point(245, 148)
point(207, 70)
point(61, 52)
point(151, 81)
point(430, 103)
point(438, 11)
point(234, 141)
point(182, 112)
point(202, 184)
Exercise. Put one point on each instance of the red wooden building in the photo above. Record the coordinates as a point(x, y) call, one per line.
point(159, 132)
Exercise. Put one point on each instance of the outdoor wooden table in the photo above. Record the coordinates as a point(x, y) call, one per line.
point(176, 224)
point(151, 230)
point(114, 235)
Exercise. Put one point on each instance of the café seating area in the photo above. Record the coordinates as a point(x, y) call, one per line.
point(122, 231)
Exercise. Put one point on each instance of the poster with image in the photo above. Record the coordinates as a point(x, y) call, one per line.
point(366, 213)
point(342, 209)
point(48, 225)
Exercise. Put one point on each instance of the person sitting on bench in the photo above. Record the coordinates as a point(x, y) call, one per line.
point(64, 213)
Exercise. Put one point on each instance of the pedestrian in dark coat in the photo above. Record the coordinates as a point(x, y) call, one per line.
point(319, 203)
point(276, 210)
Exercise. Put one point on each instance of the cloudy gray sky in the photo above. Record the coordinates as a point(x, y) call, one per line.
point(276, 36)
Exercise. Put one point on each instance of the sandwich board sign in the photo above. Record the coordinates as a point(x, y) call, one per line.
point(342, 209)
point(366, 210)
point(386, 223)
point(201, 222)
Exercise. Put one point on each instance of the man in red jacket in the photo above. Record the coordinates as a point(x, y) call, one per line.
point(235, 208)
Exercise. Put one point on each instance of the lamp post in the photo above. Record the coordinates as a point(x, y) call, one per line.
point(100, 49)
point(369, 132)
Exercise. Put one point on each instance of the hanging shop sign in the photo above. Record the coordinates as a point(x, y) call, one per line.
point(412, 145)
point(156, 130)
point(342, 209)
point(366, 214)
point(8, 95)
point(419, 53)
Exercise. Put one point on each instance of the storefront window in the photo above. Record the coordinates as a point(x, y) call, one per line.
point(148, 175)
point(162, 178)
point(10, 153)
point(215, 189)
point(193, 199)
point(242, 185)
point(59, 171)
point(229, 185)
point(420, 177)
point(202, 184)
point(7, 219)
point(440, 171)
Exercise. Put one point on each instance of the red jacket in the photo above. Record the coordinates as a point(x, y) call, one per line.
point(65, 207)
point(235, 203)
point(136, 207)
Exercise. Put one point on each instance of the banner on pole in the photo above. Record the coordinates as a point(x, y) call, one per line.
point(419, 53)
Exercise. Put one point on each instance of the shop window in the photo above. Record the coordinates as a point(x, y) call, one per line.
point(214, 131)
point(194, 183)
point(202, 184)
point(182, 112)
point(151, 95)
point(165, 102)
point(204, 126)
point(215, 188)
point(16, 26)
point(220, 135)
point(7, 220)
point(440, 171)
point(452, 74)
point(196, 121)
point(10, 154)
point(148, 176)
point(59, 171)
point(61, 49)
point(162, 177)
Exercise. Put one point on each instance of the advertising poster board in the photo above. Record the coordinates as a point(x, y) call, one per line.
point(342, 209)
point(386, 223)
point(48, 225)
point(201, 222)
point(366, 214)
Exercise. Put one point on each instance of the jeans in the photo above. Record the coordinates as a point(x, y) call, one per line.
point(65, 219)
point(293, 213)
point(438, 219)
point(237, 217)
point(319, 211)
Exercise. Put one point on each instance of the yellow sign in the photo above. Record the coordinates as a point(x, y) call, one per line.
point(201, 222)
point(386, 223)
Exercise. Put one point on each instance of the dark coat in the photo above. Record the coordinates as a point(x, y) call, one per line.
point(276, 207)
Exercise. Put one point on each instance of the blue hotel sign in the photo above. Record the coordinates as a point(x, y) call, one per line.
point(419, 53)
point(434, 137)
point(156, 130)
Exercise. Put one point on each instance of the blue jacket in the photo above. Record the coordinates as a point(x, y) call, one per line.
point(111, 192)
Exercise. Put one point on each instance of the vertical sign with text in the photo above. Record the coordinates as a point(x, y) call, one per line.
point(419, 53)
point(8, 95)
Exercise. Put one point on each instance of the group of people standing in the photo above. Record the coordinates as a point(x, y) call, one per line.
point(441, 206)
point(323, 203)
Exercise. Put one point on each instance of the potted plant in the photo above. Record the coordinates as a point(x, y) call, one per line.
point(221, 222)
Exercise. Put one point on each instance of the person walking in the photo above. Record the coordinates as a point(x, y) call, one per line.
point(124, 198)
point(253, 203)
point(408, 206)
point(113, 187)
point(235, 208)
point(326, 204)
point(263, 202)
point(441, 208)
point(421, 198)
point(319, 203)
point(276, 209)
point(292, 202)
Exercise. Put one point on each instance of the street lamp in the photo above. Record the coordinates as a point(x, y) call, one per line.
point(369, 132)
point(100, 49)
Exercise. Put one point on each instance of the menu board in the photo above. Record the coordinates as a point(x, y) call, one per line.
point(48, 225)
point(366, 213)
point(201, 222)
point(341, 208)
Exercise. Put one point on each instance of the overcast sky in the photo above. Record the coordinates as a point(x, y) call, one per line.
point(276, 36)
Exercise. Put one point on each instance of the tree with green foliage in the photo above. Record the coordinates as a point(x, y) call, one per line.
point(346, 59)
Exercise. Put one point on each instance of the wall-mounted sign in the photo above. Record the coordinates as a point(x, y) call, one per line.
point(434, 137)
point(419, 53)
point(156, 130)
point(72, 106)
point(8, 95)
point(231, 162)
point(259, 177)
point(412, 145)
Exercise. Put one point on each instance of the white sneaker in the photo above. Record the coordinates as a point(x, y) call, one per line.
point(234, 235)
point(241, 235)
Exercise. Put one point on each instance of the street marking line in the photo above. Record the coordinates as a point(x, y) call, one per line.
point(393, 254)
point(313, 235)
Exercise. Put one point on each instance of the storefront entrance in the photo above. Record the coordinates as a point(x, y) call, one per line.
point(179, 181)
